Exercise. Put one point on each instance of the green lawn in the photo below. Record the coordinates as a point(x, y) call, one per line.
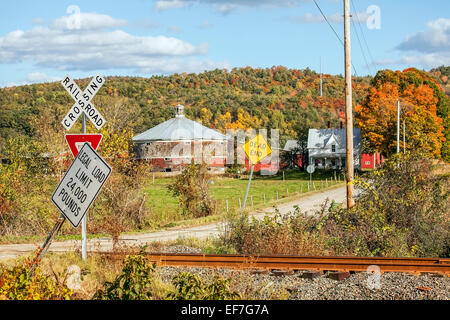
point(165, 211)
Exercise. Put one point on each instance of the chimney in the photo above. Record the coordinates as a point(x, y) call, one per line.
point(329, 124)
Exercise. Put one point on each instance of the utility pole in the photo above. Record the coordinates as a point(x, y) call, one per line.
point(320, 76)
point(348, 105)
point(404, 147)
point(398, 126)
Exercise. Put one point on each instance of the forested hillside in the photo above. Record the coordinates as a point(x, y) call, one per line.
point(272, 98)
point(278, 98)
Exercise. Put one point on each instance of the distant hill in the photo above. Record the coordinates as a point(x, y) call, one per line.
point(276, 97)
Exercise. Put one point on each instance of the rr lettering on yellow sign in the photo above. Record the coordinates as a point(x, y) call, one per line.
point(257, 149)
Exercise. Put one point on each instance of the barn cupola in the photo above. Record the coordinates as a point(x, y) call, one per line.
point(179, 111)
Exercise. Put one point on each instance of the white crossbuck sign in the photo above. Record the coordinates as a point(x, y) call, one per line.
point(83, 102)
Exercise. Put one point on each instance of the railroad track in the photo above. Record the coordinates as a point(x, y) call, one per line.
point(288, 262)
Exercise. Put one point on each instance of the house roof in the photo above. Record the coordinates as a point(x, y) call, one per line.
point(318, 138)
point(179, 128)
point(290, 144)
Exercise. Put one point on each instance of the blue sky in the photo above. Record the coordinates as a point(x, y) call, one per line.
point(43, 41)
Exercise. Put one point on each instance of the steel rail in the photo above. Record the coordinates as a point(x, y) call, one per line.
point(289, 262)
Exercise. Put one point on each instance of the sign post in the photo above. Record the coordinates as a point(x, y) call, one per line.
point(84, 106)
point(256, 149)
point(76, 191)
point(73, 197)
point(310, 169)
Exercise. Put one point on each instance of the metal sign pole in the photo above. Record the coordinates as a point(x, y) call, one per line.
point(83, 221)
point(47, 243)
point(248, 187)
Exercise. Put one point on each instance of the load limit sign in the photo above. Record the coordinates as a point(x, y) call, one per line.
point(81, 184)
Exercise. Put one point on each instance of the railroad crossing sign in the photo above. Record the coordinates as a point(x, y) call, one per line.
point(81, 184)
point(83, 102)
point(310, 168)
point(257, 149)
point(76, 141)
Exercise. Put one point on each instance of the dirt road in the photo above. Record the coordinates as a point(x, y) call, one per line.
point(307, 203)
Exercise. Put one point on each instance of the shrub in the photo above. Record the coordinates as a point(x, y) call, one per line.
point(121, 205)
point(191, 287)
point(402, 210)
point(134, 283)
point(17, 284)
point(293, 233)
point(192, 189)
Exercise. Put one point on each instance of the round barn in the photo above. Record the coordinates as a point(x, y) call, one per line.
point(180, 141)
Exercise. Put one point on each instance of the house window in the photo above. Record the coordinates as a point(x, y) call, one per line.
point(333, 148)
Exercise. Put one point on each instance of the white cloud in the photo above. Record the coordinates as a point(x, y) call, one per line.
point(171, 4)
point(429, 48)
point(206, 25)
point(435, 38)
point(38, 77)
point(359, 17)
point(175, 29)
point(95, 47)
point(87, 21)
point(225, 7)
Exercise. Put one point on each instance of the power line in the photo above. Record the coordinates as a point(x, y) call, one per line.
point(363, 36)
point(337, 36)
point(360, 45)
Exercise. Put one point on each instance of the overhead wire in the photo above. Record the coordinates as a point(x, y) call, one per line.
point(336, 34)
point(360, 45)
point(362, 32)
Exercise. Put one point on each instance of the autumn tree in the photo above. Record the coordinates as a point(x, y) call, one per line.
point(377, 115)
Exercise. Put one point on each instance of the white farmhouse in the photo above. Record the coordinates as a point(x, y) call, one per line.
point(326, 148)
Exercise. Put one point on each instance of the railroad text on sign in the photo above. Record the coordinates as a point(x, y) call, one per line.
point(83, 102)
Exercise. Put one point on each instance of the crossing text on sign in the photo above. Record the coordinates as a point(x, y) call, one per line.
point(83, 102)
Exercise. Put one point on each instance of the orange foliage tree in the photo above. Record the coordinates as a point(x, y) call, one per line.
point(377, 114)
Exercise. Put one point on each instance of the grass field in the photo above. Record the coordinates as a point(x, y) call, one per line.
point(264, 192)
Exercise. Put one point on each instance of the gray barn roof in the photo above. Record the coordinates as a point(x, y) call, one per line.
point(179, 128)
point(318, 138)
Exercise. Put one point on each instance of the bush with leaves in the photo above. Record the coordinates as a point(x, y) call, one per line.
point(23, 179)
point(192, 189)
point(403, 210)
point(17, 284)
point(404, 204)
point(134, 283)
point(292, 233)
point(189, 286)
